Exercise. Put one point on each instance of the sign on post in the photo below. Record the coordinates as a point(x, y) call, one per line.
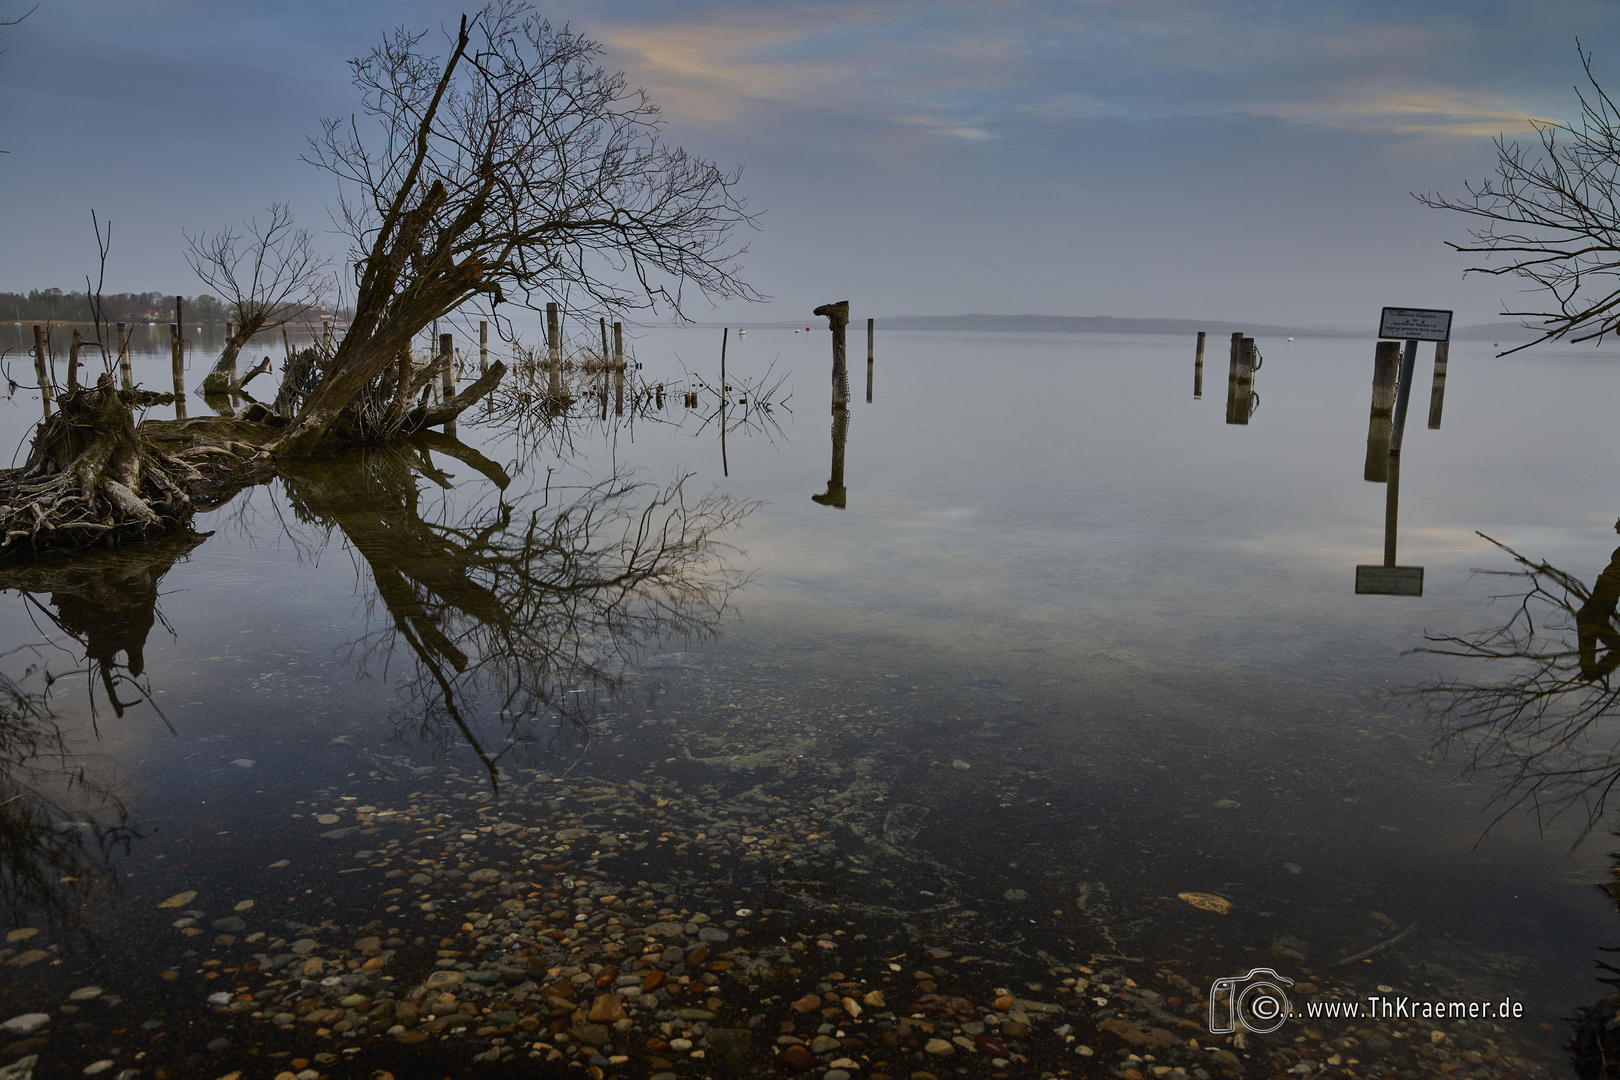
point(1415, 324)
point(1389, 580)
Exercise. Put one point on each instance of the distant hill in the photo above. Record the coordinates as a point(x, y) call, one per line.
point(1087, 324)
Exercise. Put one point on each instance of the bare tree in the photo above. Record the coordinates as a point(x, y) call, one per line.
point(1551, 216)
point(515, 169)
point(267, 276)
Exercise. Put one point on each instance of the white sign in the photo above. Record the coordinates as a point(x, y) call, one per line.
point(1389, 580)
point(1415, 324)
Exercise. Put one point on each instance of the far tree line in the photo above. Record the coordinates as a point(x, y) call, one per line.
point(55, 305)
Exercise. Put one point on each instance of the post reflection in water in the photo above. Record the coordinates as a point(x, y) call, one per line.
point(836, 494)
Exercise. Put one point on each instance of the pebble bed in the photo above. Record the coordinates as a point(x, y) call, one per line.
point(636, 929)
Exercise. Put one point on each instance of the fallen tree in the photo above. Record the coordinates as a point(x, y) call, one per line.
point(513, 169)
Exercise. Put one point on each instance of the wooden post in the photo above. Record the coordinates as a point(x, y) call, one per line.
point(42, 369)
point(837, 319)
point(1198, 368)
point(1240, 381)
point(602, 324)
point(447, 374)
point(73, 361)
point(286, 343)
point(177, 357)
point(483, 346)
point(869, 324)
point(1403, 396)
point(618, 345)
point(1437, 391)
point(1380, 419)
point(123, 358)
point(554, 349)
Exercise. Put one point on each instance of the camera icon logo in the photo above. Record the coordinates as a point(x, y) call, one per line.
point(1255, 1001)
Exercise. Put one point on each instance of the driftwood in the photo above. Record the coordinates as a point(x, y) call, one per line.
point(1380, 947)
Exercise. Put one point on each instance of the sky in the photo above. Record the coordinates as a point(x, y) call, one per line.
point(1134, 158)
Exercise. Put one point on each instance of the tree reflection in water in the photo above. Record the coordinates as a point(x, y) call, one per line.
point(1544, 727)
point(528, 610)
point(61, 820)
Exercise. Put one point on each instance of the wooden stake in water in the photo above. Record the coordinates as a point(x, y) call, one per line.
point(123, 358)
point(73, 361)
point(869, 324)
point(177, 361)
point(618, 346)
point(483, 346)
point(554, 349)
point(1198, 368)
point(42, 369)
point(837, 319)
point(1437, 391)
point(447, 374)
point(602, 325)
point(1380, 420)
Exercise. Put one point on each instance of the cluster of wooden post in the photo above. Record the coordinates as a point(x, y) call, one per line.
point(42, 363)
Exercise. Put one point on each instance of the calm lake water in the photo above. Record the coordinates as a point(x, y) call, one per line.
point(1064, 642)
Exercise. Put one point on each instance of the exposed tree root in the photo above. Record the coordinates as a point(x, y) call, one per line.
point(93, 480)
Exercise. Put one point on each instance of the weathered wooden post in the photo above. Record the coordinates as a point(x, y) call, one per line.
point(123, 358)
point(1437, 391)
point(602, 325)
point(73, 361)
point(1240, 380)
point(483, 346)
point(1380, 420)
point(618, 345)
point(869, 323)
point(177, 363)
point(837, 319)
point(42, 369)
point(1198, 368)
point(447, 374)
point(554, 349)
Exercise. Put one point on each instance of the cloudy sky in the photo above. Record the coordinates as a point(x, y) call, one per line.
point(1153, 158)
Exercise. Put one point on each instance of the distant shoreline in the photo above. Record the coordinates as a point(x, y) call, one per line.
point(1108, 324)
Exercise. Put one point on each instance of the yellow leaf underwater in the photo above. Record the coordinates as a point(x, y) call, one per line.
point(1204, 901)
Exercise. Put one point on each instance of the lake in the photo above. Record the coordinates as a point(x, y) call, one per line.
point(979, 729)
